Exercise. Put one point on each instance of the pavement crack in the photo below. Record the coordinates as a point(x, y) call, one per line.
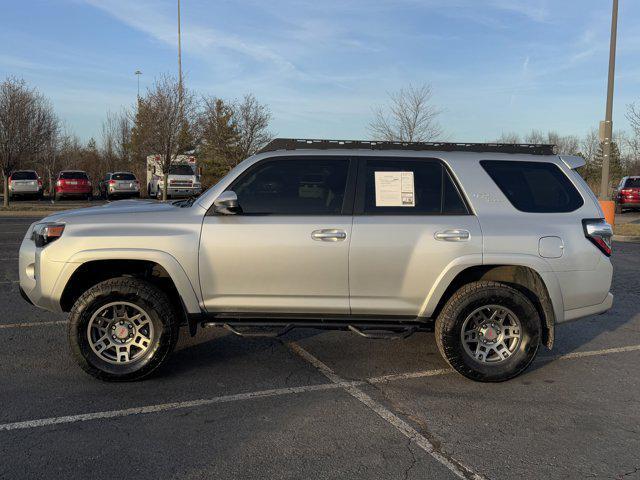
point(413, 460)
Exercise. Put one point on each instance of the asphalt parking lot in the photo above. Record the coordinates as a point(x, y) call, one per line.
point(320, 404)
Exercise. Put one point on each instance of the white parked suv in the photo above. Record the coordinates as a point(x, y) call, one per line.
point(489, 245)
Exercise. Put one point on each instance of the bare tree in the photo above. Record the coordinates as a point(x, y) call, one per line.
point(252, 119)
point(116, 140)
point(409, 117)
point(633, 115)
point(160, 122)
point(27, 125)
point(509, 137)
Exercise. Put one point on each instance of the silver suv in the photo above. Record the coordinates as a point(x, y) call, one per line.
point(488, 245)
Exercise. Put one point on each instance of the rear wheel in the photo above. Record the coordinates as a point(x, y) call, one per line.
point(122, 329)
point(488, 331)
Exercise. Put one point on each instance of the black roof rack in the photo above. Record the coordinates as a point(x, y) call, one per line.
point(318, 144)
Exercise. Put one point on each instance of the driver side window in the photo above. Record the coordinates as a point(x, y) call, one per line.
point(293, 186)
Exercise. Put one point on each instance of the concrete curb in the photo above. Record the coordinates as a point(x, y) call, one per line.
point(626, 238)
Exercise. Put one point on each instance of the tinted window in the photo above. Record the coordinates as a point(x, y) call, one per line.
point(180, 170)
point(632, 183)
point(123, 176)
point(434, 192)
point(24, 176)
point(534, 186)
point(73, 175)
point(293, 187)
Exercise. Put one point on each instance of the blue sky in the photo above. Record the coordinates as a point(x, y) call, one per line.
point(322, 65)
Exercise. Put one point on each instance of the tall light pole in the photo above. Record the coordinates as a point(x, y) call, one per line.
point(137, 73)
point(606, 127)
point(179, 57)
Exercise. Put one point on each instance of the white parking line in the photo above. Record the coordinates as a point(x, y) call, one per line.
point(337, 383)
point(164, 407)
point(7, 282)
point(457, 468)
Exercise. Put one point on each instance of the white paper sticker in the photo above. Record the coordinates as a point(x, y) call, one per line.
point(395, 189)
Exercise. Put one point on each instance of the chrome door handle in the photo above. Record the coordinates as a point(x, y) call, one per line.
point(329, 235)
point(454, 235)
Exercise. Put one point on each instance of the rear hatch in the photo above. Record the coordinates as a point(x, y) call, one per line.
point(74, 182)
point(630, 192)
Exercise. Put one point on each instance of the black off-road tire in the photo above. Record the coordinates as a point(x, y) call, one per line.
point(448, 327)
point(139, 292)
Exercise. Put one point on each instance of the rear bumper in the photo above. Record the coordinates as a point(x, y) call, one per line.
point(629, 203)
point(24, 190)
point(577, 313)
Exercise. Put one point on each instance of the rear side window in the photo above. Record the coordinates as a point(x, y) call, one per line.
point(123, 176)
point(24, 176)
point(73, 176)
point(409, 187)
point(535, 187)
point(632, 183)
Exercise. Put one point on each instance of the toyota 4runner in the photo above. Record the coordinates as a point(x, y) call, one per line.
point(488, 245)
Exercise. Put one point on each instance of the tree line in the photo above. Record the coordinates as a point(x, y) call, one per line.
point(170, 120)
point(166, 120)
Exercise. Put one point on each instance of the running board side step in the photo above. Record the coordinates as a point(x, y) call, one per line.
point(268, 328)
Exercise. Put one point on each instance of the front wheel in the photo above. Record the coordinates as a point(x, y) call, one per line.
point(122, 329)
point(488, 331)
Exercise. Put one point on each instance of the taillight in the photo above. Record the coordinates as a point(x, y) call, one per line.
point(39, 182)
point(112, 182)
point(626, 191)
point(59, 183)
point(599, 232)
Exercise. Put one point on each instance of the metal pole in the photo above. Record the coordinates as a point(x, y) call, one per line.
point(608, 124)
point(179, 57)
point(137, 74)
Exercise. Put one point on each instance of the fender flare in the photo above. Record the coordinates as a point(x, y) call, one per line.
point(179, 277)
point(535, 263)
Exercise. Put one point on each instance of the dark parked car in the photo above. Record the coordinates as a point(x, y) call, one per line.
point(628, 194)
point(119, 184)
point(25, 183)
point(73, 183)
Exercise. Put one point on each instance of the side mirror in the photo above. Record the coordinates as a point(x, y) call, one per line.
point(227, 203)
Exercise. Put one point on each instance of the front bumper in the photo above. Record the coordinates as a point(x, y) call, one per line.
point(40, 284)
point(183, 191)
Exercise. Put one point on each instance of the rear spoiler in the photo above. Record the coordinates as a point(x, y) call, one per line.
point(573, 161)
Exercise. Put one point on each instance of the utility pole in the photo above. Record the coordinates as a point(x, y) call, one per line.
point(137, 74)
point(606, 127)
point(179, 57)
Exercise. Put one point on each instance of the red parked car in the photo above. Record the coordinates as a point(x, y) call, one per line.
point(628, 194)
point(73, 183)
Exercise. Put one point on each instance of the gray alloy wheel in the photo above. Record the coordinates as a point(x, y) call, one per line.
point(120, 333)
point(491, 334)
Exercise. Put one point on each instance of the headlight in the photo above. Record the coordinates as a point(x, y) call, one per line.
point(45, 233)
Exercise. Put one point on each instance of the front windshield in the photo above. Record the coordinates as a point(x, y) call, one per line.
point(180, 169)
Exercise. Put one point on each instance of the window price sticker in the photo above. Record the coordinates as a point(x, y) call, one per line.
point(395, 189)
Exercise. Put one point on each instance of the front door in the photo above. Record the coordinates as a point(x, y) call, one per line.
point(287, 251)
point(410, 223)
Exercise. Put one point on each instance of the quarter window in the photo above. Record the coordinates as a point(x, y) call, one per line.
point(536, 187)
point(314, 186)
point(410, 187)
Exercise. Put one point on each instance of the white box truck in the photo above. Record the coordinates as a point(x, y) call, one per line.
point(183, 176)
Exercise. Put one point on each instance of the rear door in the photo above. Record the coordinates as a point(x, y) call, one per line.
point(287, 252)
point(410, 222)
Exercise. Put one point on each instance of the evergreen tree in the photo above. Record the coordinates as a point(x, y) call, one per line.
point(220, 138)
